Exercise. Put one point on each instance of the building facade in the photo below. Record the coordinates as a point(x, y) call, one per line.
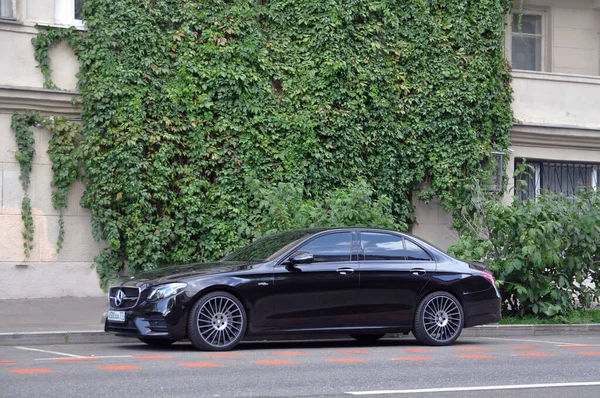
point(553, 47)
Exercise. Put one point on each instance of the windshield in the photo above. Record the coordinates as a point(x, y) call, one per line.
point(268, 247)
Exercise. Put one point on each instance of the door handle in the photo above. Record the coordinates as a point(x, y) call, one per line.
point(417, 271)
point(344, 271)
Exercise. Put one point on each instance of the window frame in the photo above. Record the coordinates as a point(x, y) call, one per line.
point(404, 239)
point(539, 166)
point(301, 246)
point(64, 14)
point(13, 12)
point(545, 37)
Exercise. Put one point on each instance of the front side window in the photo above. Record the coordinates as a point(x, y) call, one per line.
point(6, 9)
point(527, 41)
point(564, 178)
point(378, 246)
point(329, 248)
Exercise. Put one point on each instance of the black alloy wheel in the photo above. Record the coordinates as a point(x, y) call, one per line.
point(367, 338)
point(156, 341)
point(438, 320)
point(217, 322)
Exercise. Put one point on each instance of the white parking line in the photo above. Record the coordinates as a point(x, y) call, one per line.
point(51, 352)
point(479, 388)
point(91, 357)
point(562, 343)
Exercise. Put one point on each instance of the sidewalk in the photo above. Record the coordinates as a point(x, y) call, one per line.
point(80, 320)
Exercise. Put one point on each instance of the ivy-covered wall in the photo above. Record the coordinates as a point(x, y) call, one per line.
point(185, 101)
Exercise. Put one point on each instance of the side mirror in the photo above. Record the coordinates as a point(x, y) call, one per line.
point(301, 258)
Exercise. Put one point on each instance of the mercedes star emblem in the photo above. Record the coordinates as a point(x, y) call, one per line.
point(119, 298)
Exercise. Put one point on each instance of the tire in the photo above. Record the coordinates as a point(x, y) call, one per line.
point(156, 341)
point(439, 319)
point(367, 338)
point(217, 322)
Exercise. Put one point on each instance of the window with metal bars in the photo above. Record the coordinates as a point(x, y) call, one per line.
point(559, 177)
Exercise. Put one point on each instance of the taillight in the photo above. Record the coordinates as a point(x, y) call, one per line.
point(489, 277)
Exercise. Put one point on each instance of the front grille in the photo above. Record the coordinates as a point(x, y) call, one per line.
point(123, 298)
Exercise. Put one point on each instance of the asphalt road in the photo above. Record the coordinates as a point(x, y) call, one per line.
point(549, 366)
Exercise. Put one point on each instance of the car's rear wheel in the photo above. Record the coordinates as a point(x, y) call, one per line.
point(217, 322)
point(156, 341)
point(367, 338)
point(438, 320)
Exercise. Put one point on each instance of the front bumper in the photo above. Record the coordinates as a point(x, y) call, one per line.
point(163, 318)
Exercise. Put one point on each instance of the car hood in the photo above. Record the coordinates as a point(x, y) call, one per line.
point(186, 271)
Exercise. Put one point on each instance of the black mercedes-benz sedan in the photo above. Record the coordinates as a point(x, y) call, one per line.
point(361, 281)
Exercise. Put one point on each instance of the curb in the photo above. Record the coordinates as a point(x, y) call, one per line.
point(101, 337)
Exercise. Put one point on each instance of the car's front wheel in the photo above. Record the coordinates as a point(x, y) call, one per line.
point(217, 322)
point(438, 320)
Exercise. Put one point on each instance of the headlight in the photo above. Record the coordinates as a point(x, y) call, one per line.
point(164, 291)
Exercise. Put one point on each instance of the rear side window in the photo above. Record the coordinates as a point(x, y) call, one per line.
point(414, 252)
point(378, 246)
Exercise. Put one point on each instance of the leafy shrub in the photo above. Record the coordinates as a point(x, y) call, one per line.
point(545, 253)
point(285, 206)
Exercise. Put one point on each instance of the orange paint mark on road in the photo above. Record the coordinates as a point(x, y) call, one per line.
point(524, 347)
point(588, 353)
point(288, 353)
point(7, 362)
point(276, 362)
point(580, 346)
point(418, 350)
point(535, 354)
point(472, 349)
point(31, 371)
point(200, 365)
point(152, 356)
point(412, 359)
point(74, 359)
point(355, 351)
point(223, 355)
point(477, 356)
point(345, 360)
point(120, 367)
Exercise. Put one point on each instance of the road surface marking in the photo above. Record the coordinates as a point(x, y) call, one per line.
point(345, 360)
point(412, 359)
point(92, 357)
point(524, 347)
point(472, 349)
point(588, 353)
point(74, 359)
point(51, 352)
point(479, 388)
point(534, 354)
point(477, 356)
point(581, 346)
point(7, 362)
point(200, 365)
point(418, 350)
point(275, 362)
point(561, 343)
point(152, 356)
point(31, 371)
point(288, 353)
point(223, 354)
point(121, 367)
point(354, 351)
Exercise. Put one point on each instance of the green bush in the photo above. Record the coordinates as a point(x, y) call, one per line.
point(544, 253)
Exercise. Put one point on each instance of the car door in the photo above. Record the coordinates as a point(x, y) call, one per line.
point(322, 293)
point(393, 271)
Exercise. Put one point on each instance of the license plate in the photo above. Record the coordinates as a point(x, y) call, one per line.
point(116, 316)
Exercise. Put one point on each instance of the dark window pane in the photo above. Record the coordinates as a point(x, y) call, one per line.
point(78, 9)
point(530, 24)
point(331, 247)
point(414, 252)
point(378, 246)
point(267, 248)
point(526, 53)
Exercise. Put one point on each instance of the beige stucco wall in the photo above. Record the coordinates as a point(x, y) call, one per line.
point(433, 224)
